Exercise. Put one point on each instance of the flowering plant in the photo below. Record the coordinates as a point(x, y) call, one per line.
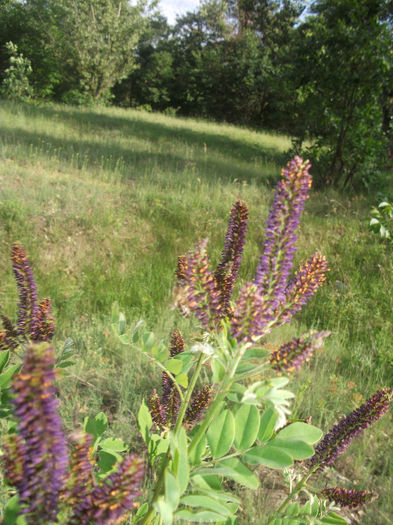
point(202, 436)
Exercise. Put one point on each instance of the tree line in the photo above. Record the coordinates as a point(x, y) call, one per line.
point(321, 72)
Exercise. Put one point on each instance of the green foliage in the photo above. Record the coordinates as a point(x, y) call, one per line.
point(16, 85)
point(382, 220)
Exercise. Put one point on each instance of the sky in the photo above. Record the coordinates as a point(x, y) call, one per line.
point(171, 8)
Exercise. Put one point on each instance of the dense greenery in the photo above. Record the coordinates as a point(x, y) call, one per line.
point(321, 74)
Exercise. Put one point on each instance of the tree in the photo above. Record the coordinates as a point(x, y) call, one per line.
point(339, 64)
point(77, 46)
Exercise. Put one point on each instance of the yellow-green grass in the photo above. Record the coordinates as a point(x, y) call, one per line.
point(104, 200)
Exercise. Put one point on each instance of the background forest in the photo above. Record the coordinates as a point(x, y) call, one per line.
point(320, 72)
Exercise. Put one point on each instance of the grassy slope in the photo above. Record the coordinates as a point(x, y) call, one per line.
point(105, 200)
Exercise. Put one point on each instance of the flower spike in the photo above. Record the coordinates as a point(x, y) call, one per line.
point(341, 435)
point(36, 463)
point(276, 261)
point(350, 498)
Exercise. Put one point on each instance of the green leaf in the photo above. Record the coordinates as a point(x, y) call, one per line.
point(206, 503)
point(272, 457)
point(137, 332)
point(292, 510)
point(218, 370)
point(5, 377)
point(181, 468)
point(246, 426)
point(144, 421)
point(199, 517)
point(240, 473)
point(198, 452)
point(172, 491)
point(148, 341)
point(297, 449)
point(301, 431)
point(209, 482)
point(220, 496)
point(221, 433)
point(114, 444)
point(174, 366)
point(182, 380)
point(4, 358)
point(165, 511)
point(256, 353)
point(141, 512)
point(65, 364)
point(107, 460)
point(334, 519)
point(11, 512)
point(96, 426)
point(121, 323)
point(268, 422)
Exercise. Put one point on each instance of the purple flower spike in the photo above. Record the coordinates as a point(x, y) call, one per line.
point(36, 463)
point(290, 356)
point(203, 294)
point(110, 500)
point(27, 291)
point(199, 404)
point(81, 481)
point(157, 411)
point(341, 435)
point(228, 268)
point(303, 287)
point(349, 497)
point(280, 235)
point(45, 323)
point(177, 343)
point(251, 315)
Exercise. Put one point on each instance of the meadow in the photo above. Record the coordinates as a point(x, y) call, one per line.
point(104, 200)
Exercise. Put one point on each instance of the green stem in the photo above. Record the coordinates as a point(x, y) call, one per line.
point(183, 407)
point(295, 491)
point(214, 407)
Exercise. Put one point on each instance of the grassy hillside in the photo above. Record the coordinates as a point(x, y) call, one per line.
point(105, 200)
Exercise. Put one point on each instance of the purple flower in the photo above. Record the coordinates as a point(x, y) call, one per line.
point(157, 411)
point(110, 500)
point(198, 405)
point(274, 266)
point(341, 435)
point(81, 480)
point(292, 355)
point(349, 497)
point(228, 268)
point(251, 315)
point(27, 291)
point(204, 297)
point(45, 323)
point(8, 336)
point(36, 463)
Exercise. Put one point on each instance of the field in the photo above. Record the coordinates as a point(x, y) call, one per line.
point(105, 200)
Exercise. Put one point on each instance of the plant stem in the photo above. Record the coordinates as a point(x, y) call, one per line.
point(183, 407)
point(295, 491)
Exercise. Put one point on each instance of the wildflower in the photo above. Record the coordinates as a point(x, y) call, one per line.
point(81, 481)
point(27, 291)
point(292, 355)
point(45, 324)
point(280, 234)
point(302, 287)
point(36, 463)
point(198, 405)
point(228, 268)
point(341, 435)
point(349, 497)
point(203, 293)
point(110, 500)
point(157, 411)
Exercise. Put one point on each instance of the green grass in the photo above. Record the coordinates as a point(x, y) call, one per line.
point(105, 200)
